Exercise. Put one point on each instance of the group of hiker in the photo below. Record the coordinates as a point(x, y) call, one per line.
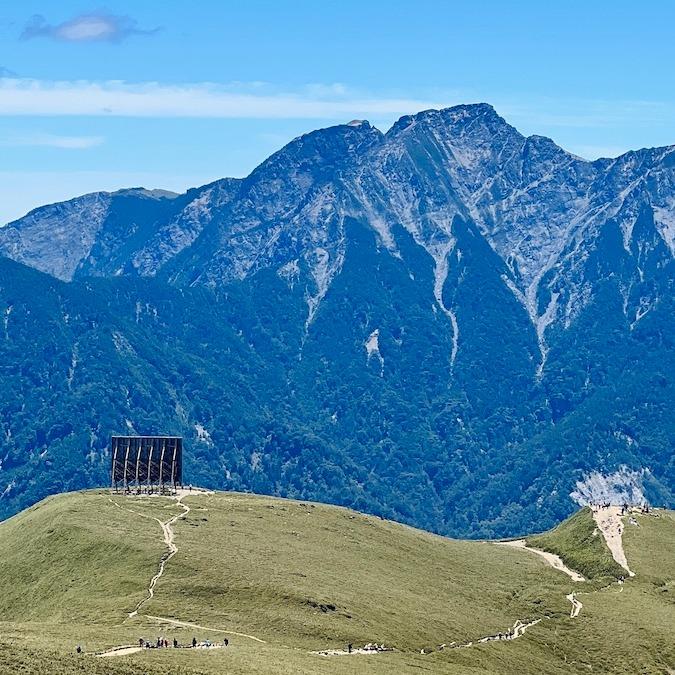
point(625, 507)
point(164, 643)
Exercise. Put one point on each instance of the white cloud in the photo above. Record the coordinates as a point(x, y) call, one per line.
point(87, 27)
point(151, 99)
point(53, 141)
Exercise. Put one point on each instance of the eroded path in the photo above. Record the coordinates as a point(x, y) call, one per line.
point(186, 624)
point(576, 605)
point(552, 559)
point(609, 522)
point(168, 535)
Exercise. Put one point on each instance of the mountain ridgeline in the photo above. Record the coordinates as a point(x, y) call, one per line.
point(448, 324)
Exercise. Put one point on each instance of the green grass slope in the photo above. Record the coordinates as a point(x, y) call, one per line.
point(578, 542)
point(287, 579)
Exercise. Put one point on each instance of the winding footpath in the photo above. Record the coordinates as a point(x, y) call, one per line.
point(185, 624)
point(608, 520)
point(172, 549)
point(556, 563)
point(552, 559)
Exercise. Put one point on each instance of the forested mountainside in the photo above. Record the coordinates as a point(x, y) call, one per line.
point(448, 324)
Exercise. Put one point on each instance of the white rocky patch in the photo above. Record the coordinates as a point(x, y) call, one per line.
point(202, 434)
point(122, 345)
point(372, 346)
point(10, 486)
point(646, 304)
point(290, 272)
point(664, 217)
point(73, 365)
point(624, 486)
point(5, 320)
point(323, 269)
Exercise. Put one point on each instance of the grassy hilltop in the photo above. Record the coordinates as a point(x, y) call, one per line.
point(286, 579)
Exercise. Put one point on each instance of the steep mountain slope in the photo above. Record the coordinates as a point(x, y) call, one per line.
point(287, 580)
point(447, 324)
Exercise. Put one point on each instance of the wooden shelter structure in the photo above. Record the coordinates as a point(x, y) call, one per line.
point(146, 463)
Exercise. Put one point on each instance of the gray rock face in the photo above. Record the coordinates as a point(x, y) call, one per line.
point(56, 238)
point(540, 208)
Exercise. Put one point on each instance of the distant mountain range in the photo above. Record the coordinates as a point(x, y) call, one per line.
point(448, 324)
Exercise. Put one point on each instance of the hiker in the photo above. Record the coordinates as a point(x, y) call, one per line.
point(141, 642)
point(194, 642)
point(225, 642)
point(349, 648)
point(78, 649)
point(175, 643)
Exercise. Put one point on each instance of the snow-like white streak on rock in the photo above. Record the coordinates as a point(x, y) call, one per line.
point(440, 255)
point(10, 486)
point(8, 311)
point(322, 269)
point(372, 346)
point(646, 304)
point(290, 272)
point(541, 323)
point(621, 487)
point(73, 365)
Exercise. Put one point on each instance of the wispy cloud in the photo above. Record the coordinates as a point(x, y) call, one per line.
point(6, 72)
point(116, 98)
point(87, 27)
point(53, 141)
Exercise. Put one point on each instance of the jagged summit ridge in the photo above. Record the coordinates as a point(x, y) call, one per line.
point(540, 208)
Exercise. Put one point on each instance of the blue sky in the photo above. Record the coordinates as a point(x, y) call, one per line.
point(174, 94)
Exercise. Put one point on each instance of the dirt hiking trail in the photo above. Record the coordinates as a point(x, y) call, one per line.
point(609, 522)
point(186, 624)
point(552, 559)
point(576, 605)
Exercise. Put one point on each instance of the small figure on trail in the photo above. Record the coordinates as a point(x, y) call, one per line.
point(194, 642)
point(141, 642)
point(225, 642)
point(175, 643)
point(349, 648)
point(78, 649)
point(159, 642)
point(190, 487)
